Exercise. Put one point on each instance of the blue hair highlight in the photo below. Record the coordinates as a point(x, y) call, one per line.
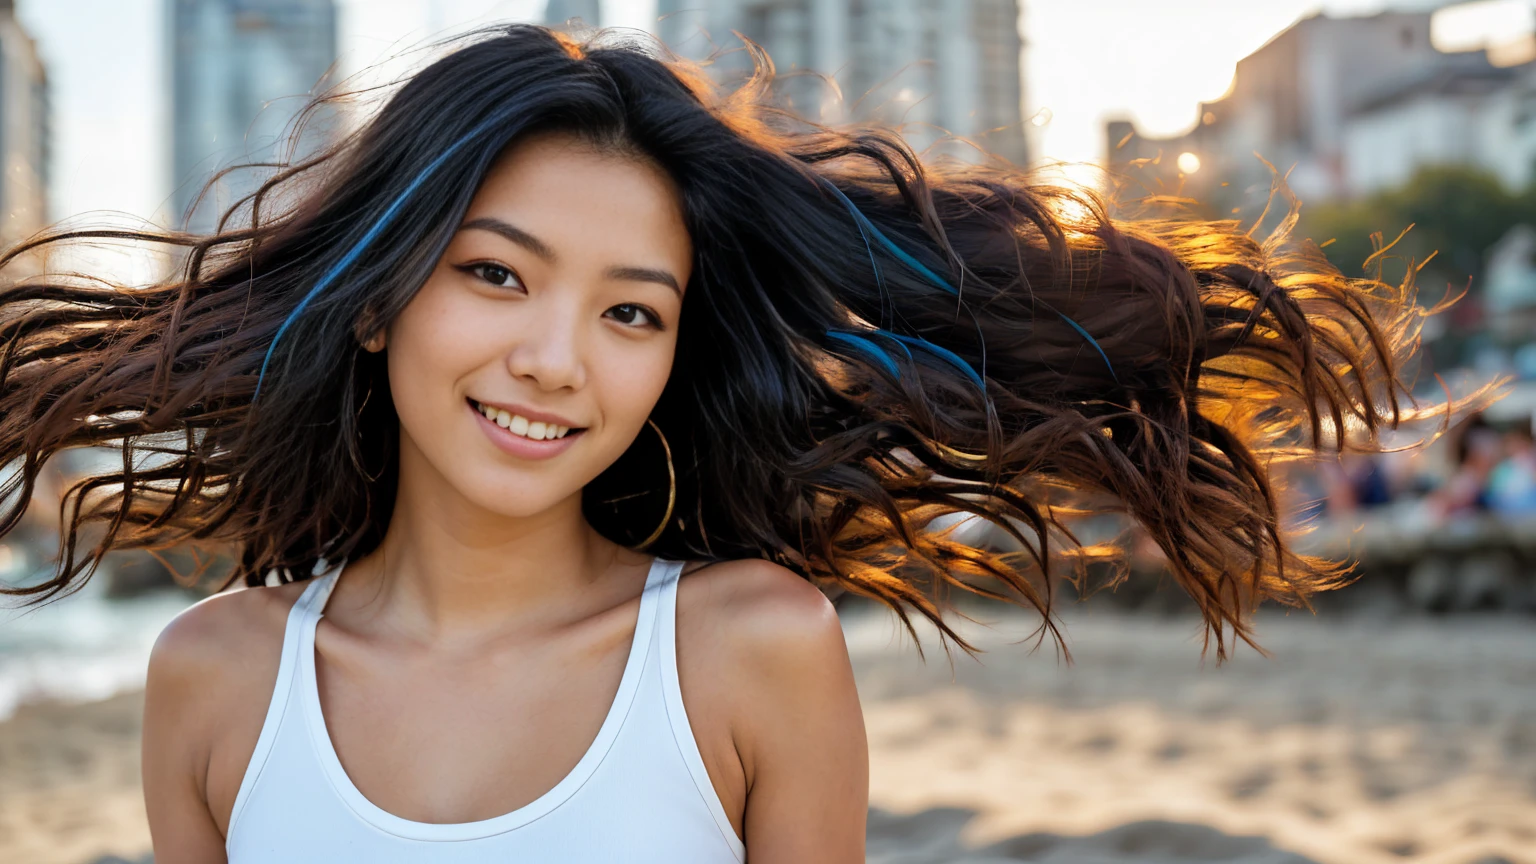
point(872, 350)
point(859, 221)
point(1095, 343)
point(901, 254)
point(952, 357)
point(367, 239)
point(868, 349)
point(867, 228)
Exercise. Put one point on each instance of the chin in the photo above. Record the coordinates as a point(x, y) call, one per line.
point(517, 498)
point(513, 501)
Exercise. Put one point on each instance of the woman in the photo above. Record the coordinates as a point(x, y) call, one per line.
point(546, 410)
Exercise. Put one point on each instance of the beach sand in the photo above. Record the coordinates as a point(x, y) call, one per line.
point(1362, 741)
point(69, 783)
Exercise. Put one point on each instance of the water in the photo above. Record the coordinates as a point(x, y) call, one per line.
point(80, 648)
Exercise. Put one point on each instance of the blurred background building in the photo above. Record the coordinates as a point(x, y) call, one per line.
point(240, 72)
point(942, 66)
point(25, 129)
point(1352, 106)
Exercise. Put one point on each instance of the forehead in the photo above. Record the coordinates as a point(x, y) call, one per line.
point(568, 193)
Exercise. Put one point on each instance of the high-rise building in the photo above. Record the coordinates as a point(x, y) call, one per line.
point(241, 71)
point(24, 132)
point(933, 66)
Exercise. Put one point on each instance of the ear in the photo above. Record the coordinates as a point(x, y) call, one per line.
point(375, 343)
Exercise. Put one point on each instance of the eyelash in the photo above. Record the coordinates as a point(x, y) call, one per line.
point(478, 269)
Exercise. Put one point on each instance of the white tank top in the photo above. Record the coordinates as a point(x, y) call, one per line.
point(640, 793)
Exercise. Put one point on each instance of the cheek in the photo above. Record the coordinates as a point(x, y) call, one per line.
point(630, 386)
point(627, 393)
point(431, 346)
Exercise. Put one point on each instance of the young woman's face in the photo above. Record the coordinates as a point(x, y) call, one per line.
point(556, 305)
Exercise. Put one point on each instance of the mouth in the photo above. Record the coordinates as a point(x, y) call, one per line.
point(522, 427)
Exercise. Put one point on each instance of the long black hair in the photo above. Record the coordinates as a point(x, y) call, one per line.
point(868, 341)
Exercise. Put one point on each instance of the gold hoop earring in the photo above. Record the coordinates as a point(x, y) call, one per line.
point(671, 487)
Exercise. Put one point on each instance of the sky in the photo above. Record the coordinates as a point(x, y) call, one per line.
point(1085, 61)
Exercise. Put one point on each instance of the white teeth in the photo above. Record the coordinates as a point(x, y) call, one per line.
point(536, 430)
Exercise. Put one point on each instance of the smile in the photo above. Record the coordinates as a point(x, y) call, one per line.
point(521, 426)
point(502, 427)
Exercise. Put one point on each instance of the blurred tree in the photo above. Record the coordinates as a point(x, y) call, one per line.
point(1457, 214)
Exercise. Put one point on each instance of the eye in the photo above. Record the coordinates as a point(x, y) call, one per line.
point(495, 274)
point(628, 311)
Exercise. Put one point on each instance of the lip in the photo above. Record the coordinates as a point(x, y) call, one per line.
point(532, 415)
point(516, 445)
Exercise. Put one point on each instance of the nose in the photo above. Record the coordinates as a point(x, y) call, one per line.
point(549, 351)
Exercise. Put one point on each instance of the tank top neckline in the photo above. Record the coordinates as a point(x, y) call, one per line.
point(541, 806)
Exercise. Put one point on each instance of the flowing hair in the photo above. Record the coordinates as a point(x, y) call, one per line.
point(869, 341)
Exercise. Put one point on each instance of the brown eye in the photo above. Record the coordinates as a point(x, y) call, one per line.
point(633, 312)
point(495, 274)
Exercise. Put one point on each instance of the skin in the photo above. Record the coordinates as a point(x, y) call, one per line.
point(493, 615)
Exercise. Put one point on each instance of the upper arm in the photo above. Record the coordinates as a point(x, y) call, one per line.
point(176, 742)
point(209, 671)
point(802, 737)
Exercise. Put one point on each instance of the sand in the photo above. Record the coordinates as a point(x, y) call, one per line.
point(69, 783)
point(1362, 741)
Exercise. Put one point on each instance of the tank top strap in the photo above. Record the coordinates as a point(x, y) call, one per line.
point(663, 573)
point(324, 585)
point(677, 715)
point(312, 597)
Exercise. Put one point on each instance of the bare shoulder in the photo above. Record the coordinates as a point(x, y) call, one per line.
point(784, 733)
point(217, 635)
point(212, 669)
point(770, 640)
point(764, 614)
point(211, 675)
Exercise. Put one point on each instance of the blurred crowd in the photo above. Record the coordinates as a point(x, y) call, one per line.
point(1480, 468)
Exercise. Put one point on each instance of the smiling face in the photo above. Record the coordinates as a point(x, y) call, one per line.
point(555, 305)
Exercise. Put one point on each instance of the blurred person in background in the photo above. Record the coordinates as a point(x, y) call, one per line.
point(546, 409)
point(1477, 448)
point(1354, 482)
point(1512, 482)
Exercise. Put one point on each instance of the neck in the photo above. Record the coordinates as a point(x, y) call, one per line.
point(449, 570)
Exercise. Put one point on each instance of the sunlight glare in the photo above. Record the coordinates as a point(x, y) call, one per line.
point(1471, 26)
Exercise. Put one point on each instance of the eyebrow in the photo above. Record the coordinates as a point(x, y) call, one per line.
point(543, 251)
